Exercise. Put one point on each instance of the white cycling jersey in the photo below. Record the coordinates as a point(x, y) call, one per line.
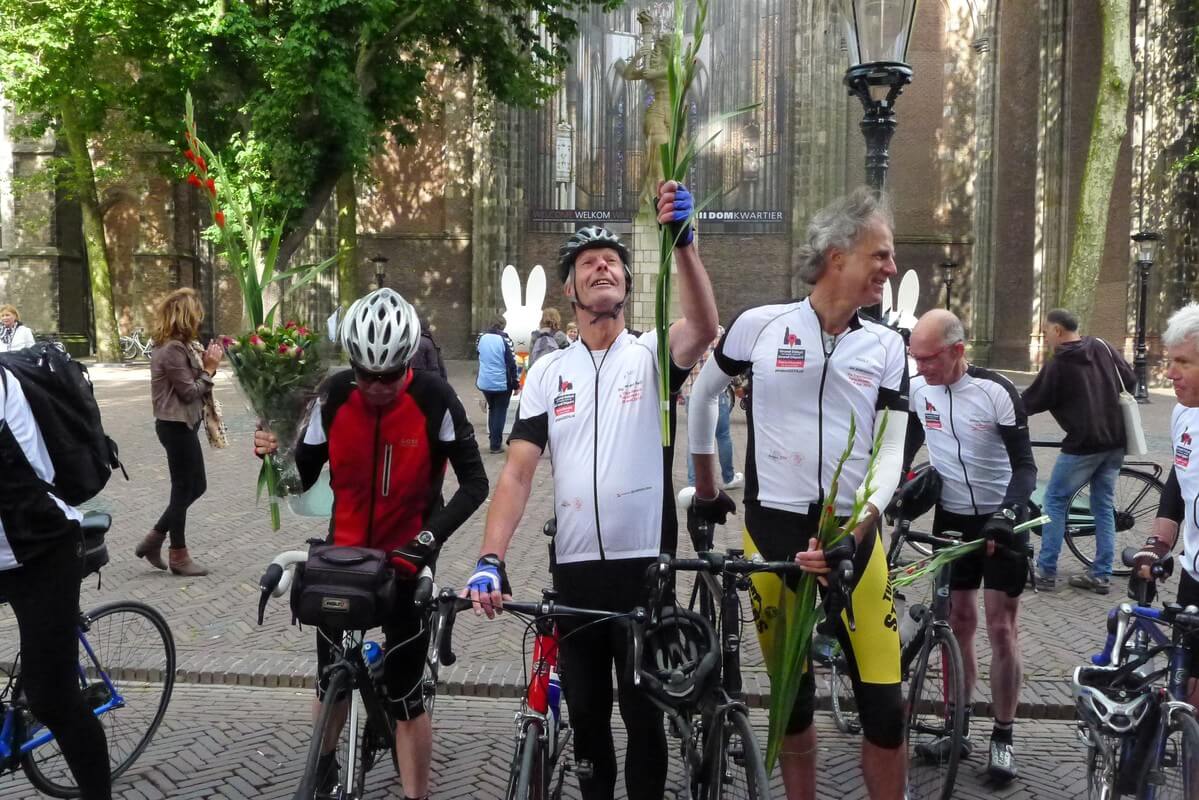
point(964, 426)
point(599, 413)
point(1184, 430)
point(803, 400)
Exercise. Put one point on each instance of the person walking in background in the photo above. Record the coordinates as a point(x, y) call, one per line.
point(13, 335)
point(497, 379)
point(428, 354)
point(724, 437)
point(181, 374)
point(548, 337)
point(1078, 386)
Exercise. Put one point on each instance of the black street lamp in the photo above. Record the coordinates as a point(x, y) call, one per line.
point(380, 262)
point(1146, 242)
point(878, 33)
point(947, 268)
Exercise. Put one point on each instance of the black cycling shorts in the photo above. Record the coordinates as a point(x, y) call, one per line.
point(871, 650)
point(1002, 573)
point(406, 642)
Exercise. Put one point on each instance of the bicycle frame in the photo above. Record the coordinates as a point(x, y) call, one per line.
point(11, 754)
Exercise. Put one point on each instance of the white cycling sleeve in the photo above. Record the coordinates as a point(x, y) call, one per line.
point(889, 463)
point(703, 407)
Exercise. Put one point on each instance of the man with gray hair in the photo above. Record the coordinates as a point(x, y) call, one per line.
point(817, 366)
point(977, 435)
point(1176, 512)
point(1080, 387)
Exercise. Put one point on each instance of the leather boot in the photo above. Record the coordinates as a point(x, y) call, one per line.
point(150, 548)
point(182, 564)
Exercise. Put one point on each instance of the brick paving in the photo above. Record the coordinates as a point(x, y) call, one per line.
point(234, 743)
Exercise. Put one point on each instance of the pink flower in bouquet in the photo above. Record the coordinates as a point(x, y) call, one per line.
point(257, 341)
point(284, 349)
point(302, 331)
point(291, 325)
point(298, 352)
point(227, 342)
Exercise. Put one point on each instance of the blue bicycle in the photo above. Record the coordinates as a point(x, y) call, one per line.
point(126, 671)
point(1142, 737)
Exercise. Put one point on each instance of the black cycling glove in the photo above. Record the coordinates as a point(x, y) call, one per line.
point(714, 509)
point(415, 554)
point(1001, 529)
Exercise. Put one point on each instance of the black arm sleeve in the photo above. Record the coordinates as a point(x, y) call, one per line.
point(1024, 466)
point(463, 455)
point(1171, 506)
point(310, 460)
point(913, 441)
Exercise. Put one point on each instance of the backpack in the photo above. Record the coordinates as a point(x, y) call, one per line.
point(60, 396)
point(542, 343)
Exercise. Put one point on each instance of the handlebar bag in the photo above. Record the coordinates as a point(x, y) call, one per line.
point(347, 588)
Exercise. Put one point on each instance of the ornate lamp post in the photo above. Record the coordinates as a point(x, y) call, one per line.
point(947, 268)
point(1146, 242)
point(878, 32)
point(380, 262)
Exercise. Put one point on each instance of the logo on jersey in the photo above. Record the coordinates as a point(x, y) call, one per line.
point(564, 401)
point(790, 357)
point(631, 390)
point(1182, 450)
point(932, 419)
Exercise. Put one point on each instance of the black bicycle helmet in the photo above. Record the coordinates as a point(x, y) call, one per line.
point(590, 238)
point(679, 657)
point(918, 493)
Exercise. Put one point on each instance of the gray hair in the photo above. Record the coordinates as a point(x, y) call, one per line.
point(953, 331)
point(1183, 325)
point(838, 225)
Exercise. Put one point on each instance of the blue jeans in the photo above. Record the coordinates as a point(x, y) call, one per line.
point(724, 443)
point(1070, 474)
point(497, 414)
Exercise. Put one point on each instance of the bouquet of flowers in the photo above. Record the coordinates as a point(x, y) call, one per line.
point(278, 370)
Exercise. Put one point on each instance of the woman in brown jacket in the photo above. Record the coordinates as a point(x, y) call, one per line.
point(181, 375)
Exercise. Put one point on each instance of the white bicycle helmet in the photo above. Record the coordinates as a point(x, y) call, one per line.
point(381, 332)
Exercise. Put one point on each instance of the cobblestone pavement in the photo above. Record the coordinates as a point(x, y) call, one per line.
point(213, 617)
point(244, 742)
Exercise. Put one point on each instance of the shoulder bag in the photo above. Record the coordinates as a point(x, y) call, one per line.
point(1134, 431)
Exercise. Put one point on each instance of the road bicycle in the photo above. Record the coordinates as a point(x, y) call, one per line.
point(368, 730)
point(1141, 734)
point(135, 346)
point(126, 671)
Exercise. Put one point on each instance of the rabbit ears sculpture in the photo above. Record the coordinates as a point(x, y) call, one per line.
point(521, 319)
point(900, 311)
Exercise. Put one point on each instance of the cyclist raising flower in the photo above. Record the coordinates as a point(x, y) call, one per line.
point(595, 404)
point(387, 432)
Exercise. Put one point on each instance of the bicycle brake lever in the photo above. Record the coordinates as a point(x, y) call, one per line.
point(845, 578)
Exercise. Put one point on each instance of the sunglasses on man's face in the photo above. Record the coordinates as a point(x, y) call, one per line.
point(384, 377)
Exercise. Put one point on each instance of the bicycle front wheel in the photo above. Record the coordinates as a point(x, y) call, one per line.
point(737, 771)
point(324, 776)
point(1134, 503)
point(530, 778)
point(129, 348)
point(127, 673)
point(1101, 770)
point(1176, 775)
point(936, 717)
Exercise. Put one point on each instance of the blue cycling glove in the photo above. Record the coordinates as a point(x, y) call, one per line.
point(489, 576)
point(680, 227)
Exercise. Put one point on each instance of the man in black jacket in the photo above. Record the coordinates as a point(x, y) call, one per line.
point(1080, 386)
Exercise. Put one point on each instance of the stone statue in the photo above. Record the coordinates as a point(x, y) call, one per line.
point(650, 64)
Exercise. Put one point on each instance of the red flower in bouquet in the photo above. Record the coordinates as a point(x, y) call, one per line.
point(194, 180)
point(211, 184)
point(220, 218)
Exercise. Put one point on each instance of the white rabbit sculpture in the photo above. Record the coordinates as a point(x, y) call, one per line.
point(521, 319)
point(902, 312)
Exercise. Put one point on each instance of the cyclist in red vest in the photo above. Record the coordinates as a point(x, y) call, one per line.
point(387, 433)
